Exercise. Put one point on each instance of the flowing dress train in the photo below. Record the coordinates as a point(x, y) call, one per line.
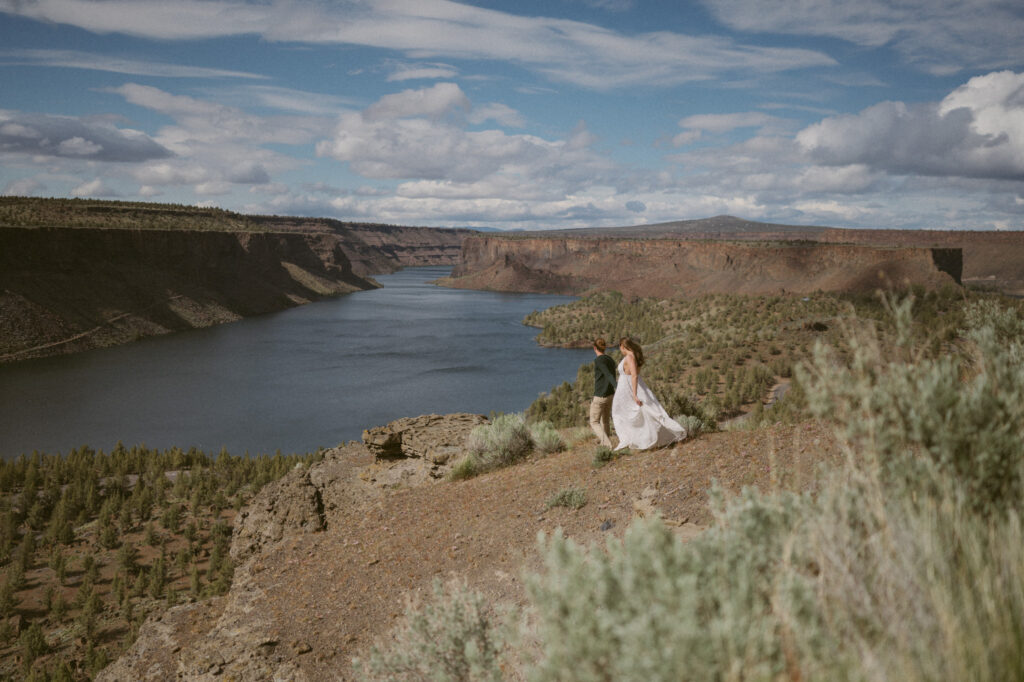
point(641, 427)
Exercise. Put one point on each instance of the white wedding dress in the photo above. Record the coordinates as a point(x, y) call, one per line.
point(641, 427)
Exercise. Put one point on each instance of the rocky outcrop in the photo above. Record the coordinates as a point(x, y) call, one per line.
point(671, 267)
point(414, 450)
point(433, 437)
point(236, 637)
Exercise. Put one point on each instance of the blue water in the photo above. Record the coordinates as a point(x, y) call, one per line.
point(311, 376)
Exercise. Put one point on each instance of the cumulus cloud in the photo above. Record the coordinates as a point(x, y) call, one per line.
point(568, 51)
point(414, 135)
point(433, 102)
point(501, 114)
point(79, 138)
point(977, 131)
point(939, 36)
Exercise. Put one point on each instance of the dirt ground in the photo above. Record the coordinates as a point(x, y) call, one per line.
point(328, 596)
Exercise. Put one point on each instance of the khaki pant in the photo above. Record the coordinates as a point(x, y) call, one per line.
point(601, 418)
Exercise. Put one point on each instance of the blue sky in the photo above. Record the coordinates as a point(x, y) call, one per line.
point(527, 114)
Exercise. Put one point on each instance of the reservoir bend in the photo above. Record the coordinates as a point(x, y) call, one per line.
point(311, 376)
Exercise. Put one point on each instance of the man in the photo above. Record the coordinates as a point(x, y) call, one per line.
point(604, 389)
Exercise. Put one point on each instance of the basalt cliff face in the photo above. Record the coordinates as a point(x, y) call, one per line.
point(374, 248)
point(672, 267)
point(81, 274)
point(64, 290)
point(992, 259)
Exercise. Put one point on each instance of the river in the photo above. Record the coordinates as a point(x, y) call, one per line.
point(307, 377)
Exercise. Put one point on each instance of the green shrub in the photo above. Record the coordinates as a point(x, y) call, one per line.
point(546, 438)
point(603, 455)
point(463, 469)
point(454, 637)
point(693, 424)
point(500, 443)
point(912, 411)
point(572, 498)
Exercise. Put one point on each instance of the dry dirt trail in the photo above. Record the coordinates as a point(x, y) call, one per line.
point(306, 601)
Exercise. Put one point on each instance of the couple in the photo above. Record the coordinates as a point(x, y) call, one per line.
point(640, 420)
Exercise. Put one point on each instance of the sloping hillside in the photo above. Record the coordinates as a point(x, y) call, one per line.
point(349, 552)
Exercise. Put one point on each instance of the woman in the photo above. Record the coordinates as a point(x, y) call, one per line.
point(640, 420)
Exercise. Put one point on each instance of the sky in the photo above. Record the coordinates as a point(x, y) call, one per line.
point(524, 114)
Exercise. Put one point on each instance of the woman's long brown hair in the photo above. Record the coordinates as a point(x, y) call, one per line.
point(633, 347)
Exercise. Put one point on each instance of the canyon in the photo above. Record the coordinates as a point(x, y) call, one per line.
point(72, 286)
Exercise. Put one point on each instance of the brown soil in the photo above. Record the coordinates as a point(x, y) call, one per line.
point(326, 597)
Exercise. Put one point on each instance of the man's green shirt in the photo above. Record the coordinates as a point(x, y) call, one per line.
point(604, 376)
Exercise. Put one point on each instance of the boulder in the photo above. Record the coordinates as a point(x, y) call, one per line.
point(433, 438)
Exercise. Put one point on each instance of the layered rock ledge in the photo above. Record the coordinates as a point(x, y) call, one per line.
point(672, 267)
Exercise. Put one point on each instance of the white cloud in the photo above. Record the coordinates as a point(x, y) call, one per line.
point(501, 114)
point(26, 187)
point(69, 137)
point(414, 135)
point(407, 72)
point(721, 123)
point(213, 188)
point(85, 60)
point(567, 51)
point(78, 146)
point(434, 102)
point(977, 131)
point(94, 188)
point(282, 99)
point(939, 36)
point(694, 127)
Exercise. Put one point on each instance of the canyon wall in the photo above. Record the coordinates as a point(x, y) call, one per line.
point(673, 267)
point(68, 289)
point(374, 248)
point(993, 259)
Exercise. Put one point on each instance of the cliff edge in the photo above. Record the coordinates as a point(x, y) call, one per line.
point(69, 289)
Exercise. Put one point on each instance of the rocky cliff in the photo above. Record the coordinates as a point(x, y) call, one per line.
point(990, 258)
point(69, 289)
point(672, 267)
point(373, 248)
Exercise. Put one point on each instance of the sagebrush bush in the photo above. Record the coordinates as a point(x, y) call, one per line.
point(693, 424)
point(603, 455)
point(500, 443)
point(907, 411)
point(546, 438)
point(455, 636)
point(571, 498)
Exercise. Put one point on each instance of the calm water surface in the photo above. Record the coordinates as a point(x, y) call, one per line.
point(311, 376)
